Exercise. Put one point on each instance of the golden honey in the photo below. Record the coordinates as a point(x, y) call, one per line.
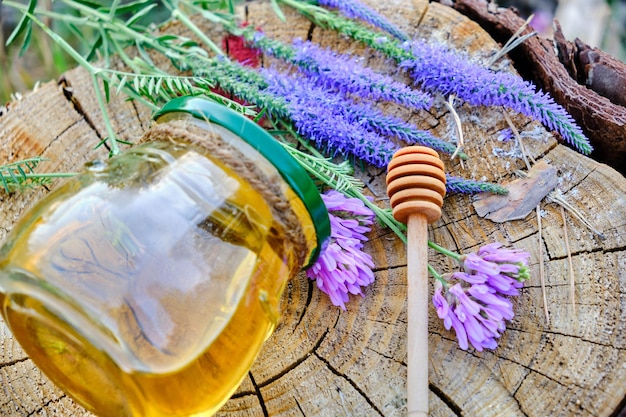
point(146, 285)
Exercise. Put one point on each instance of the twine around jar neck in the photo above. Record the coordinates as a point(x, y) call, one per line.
point(269, 187)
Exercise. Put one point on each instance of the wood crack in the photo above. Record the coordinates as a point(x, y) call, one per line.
point(309, 34)
point(13, 362)
point(60, 134)
point(584, 252)
point(134, 104)
point(452, 405)
point(46, 404)
point(358, 389)
point(388, 268)
point(259, 395)
point(309, 297)
point(529, 369)
point(299, 406)
point(69, 95)
point(593, 342)
point(285, 371)
point(391, 358)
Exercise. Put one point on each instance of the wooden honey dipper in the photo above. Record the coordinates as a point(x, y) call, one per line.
point(416, 185)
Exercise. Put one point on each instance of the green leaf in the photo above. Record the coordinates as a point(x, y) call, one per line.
point(102, 142)
point(165, 38)
point(78, 33)
point(107, 93)
point(151, 84)
point(24, 24)
point(94, 48)
point(260, 115)
point(121, 84)
point(5, 184)
point(210, 16)
point(105, 46)
point(158, 86)
point(27, 38)
point(143, 53)
point(113, 10)
point(133, 19)
point(93, 4)
point(189, 43)
point(136, 84)
point(21, 171)
point(14, 179)
point(277, 10)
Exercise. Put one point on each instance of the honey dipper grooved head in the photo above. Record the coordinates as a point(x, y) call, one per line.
point(416, 183)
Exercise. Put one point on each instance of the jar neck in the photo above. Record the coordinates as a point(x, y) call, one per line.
point(225, 148)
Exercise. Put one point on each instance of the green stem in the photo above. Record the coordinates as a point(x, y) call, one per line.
point(120, 28)
point(328, 20)
point(177, 14)
point(43, 175)
point(68, 18)
point(437, 276)
point(105, 115)
point(444, 251)
point(56, 38)
point(90, 68)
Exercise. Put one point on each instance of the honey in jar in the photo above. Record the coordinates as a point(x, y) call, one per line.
point(146, 285)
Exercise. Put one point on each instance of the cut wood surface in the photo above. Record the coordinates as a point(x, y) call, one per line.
point(323, 361)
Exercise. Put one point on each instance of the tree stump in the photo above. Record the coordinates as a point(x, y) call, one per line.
point(322, 361)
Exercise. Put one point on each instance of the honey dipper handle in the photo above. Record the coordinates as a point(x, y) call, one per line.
point(417, 277)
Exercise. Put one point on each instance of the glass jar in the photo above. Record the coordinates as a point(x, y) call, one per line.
point(146, 285)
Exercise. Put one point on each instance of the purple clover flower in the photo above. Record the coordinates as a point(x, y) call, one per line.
point(435, 68)
point(356, 9)
point(474, 301)
point(343, 268)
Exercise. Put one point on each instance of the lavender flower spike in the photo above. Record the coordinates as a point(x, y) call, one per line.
point(318, 115)
point(447, 73)
point(436, 69)
point(345, 74)
point(343, 268)
point(327, 120)
point(473, 301)
point(356, 9)
point(460, 185)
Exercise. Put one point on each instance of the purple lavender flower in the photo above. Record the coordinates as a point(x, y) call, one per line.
point(437, 69)
point(393, 126)
point(332, 122)
point(327, 120)
point(356, 9)
point(443, 71)
point(341, 125)
point(342, 73)
point(473, 301)
point(343, 268)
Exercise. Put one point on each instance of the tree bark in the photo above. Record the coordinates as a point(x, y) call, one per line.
point(323, 361)
point(590, 84)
